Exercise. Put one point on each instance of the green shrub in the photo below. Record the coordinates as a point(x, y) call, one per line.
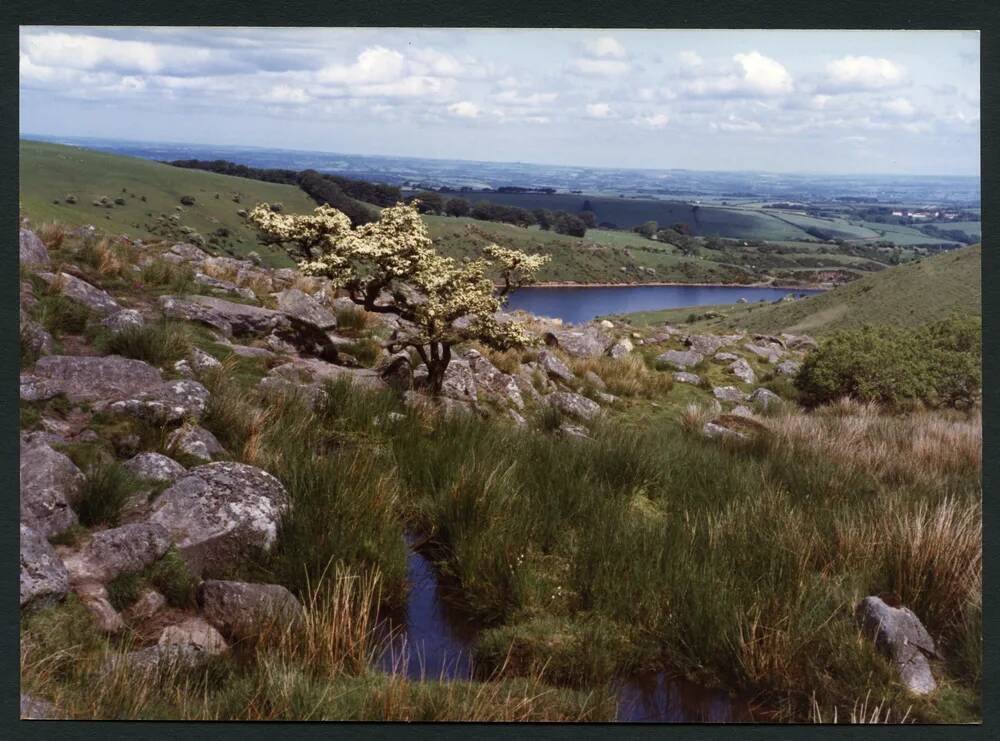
point(937, 364)
point(108, 487)
point(172, 578)
point(187, 200)
point(156, 344)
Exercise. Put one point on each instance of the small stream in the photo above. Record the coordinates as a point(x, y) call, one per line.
point(433, 640)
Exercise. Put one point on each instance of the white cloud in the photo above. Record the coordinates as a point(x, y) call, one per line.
point(735, 123)
point(373, 65)
point(606, 47)
point(600, 67)
point(899, 107)
point(863, 73)
point(515, 98)
point(750, 74)
point(691, 58)
point(652, 120)
point(286, 94)
point(464, 109)
point(599, 110)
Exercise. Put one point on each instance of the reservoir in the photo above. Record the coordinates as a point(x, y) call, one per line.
point(578, 304)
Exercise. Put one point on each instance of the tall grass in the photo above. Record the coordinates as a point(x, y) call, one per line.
point(158, 343)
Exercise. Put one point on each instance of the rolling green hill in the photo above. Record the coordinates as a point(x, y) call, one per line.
point(907, 295)
point(150, 195)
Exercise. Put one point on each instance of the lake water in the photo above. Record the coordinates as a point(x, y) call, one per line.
point(583, 303)
point(434, 640)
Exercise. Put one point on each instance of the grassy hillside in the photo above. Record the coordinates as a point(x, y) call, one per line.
point(151, 193)
point(907, 295)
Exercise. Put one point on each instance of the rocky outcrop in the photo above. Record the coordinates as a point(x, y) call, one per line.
point(44, 579)
point(241, 610)
point(123, 320)
point(742, 370)
point(35, 338)
point(82, 292)
point(50, 483)
point(301, 307)
point(193, 634)
point(765, 398)
point(554, 367)
point(728, 393)
point(898, 633)
point(172, 401)
point(574, 405)
point(492, 382)
point(705, 344)
point(220, 512)
point(31, 250)
point(621, 348)
point(788, 368)
point(768, 351)
point(313, 370)
point(681, 359)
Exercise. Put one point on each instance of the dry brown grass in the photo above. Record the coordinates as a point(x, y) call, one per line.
point(52, 234)
point(864, 711)
point(628, 376)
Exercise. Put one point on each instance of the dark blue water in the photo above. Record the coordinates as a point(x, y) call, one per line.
point(581, 304)
point(433, 640)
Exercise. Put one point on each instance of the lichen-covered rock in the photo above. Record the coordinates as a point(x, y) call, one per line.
point(201, 361)
point(148, 604)
point(195, 441)
point(459, 383)
point(31, 249)
point(221, 512)
point(229, 318)
point(123, 320)
point(715, 431)
point(35, 708)
point(188, 252)
point(681, 359)
point(242, 610)
point(554, 367)
point(493, 382)
point(44, 579)
point(705, 344)
point(193, 633)
point(172, 401)
point(397, 371)
point(769, 351)
point(50, 483)
point(728, 393)
point(742, 370)
point(122, 550)
point(314, 370)
point(621, 348)
point(765, 398)
point(725, 357)
point(683, 377)
point(586, 342)
point(574, 405)
point(788, 368)
point(89, 379)
point(799, 341)
point(224, 285)
point(98, 301)
point(898, 633)
point(34, 337)
point(301, 307)
point(568, 429)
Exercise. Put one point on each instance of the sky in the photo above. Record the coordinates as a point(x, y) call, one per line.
point(885, 102)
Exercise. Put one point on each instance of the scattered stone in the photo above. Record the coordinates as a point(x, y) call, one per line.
point(148, 604)
point(605, 324)
point(89, 379)
point(34, 708)
point(224, 285)
point(568, 429)
point(715, 431)
point(301, 307)
point(201, 361)
point(241, 610)
point(107, 619)
point(50, 483)
point(122, 320)
point(309, 370)
point(35, 337)
point(742, 370)
point(248, 351)
point(725, 357)
point(578, 343)
point(195, 634)
point(231, 319)
point(605, 398)
point(82, 292)
point(44, 579)
point(765, 398)
point(728, 393)
point(799, 341)
point(742, 411)
point(770, 352)
point(31, 249)
point(595, 380)
point(492, 381)
point(681, 359)
point(621, 348)
point(459, 383)
point(188, 252)
point(705, 344)
point(574, 405)
point(195, 441)
point(553, 365)
point(172, 401)
point(154, 467)
point(788, 368)
point(682, 377)
point(220, 512)
point(898, 633)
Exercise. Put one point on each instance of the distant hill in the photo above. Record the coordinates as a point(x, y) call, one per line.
point(906, 295)
point(150, 193)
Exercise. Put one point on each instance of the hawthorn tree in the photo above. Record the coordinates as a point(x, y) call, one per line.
point(390, 266)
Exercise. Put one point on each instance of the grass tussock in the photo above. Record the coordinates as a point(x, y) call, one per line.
point(157, 344)
point(629, 376)
point(53, 234)
point(105, 492)
point(163, 274)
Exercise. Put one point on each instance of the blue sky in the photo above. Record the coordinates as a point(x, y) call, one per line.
point(903, 102)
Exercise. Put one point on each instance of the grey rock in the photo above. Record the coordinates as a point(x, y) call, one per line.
point(35, 708)
point(554, 367)
point(771, 352)
point(50, 483)
point(705, 344)
point(728, 393)
point(193, 633)
point(148, 604)
point(220, 512)
point(188, 252)
point(493, 382)
point(621, 348)
point(122, 320)
point(44, 579)
point(681, 359)
point(82, 292)
point(196, 442)
point(310, 370)
point(172, 401)
point(229, 318)
point(898, 633)
point(574, 405)
point(31, 249)
point(459, 383)
point(579, 343)
point(122, 550)
point(397, 371)
point(765, 398)
point(799, 341)
point(154, 467)
point(742, 411)
point(242, 610)
point(224, 285)
point(247, 351)
point(742, 370)
point(301, 307)
point(788, 368)
point(682, 377)
point(595, 380)
point(34, 336)
point(567, 429)
point(201, 361)
point(715, 431)
point(725, 357)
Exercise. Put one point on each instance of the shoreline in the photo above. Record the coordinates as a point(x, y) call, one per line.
point(662, 284)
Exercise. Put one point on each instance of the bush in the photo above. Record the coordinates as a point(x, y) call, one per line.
point(937, 364)
point(187, 200)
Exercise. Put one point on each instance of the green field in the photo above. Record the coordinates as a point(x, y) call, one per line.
point(51, 172)
point(907, 295)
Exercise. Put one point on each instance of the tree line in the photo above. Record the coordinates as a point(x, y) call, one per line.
point(561, 222)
